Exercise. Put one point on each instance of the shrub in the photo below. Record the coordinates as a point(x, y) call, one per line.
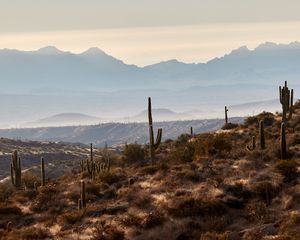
point(265, 190)
point(5, 191)
point(134, 153)
point(71, 217)
point(29, 179)
point(229, 126)
point(287, 168)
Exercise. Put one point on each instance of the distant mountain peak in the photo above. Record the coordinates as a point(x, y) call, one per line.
point(94, 51)
point(49, 50)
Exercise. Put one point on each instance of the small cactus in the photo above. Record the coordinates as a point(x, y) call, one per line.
point(153, 145)
point(253, 143)
point(262, 135)
point(192, 132)
point(283, 147)
point(226, 115)
point(15, 170)
point(42, 172)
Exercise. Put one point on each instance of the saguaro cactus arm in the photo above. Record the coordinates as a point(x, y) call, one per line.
point(252, 148)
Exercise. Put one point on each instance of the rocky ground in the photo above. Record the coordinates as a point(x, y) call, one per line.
point(206, 187)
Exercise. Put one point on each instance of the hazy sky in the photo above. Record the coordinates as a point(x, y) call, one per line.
point(144, 32)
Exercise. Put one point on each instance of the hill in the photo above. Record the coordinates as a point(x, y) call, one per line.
point(209, 186)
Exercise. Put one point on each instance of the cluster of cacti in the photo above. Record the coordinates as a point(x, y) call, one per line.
point(82, 199)
point(153, 145)
point(94, 168)
point(262, 142)
point(15, 170)
point(286, 100)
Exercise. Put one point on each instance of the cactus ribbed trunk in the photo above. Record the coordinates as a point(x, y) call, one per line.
point(15, 170)
point(82, 194)
point(152, 145)
point(226, 115)
point(262, 135)
point(283, 147)
point(43, 172)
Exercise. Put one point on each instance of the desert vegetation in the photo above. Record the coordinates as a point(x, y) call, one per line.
point(240, 182)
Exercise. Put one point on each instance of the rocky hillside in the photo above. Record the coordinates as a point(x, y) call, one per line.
point(209, 186)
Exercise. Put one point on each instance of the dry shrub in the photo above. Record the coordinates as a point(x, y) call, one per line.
point(71, 217)
point(184, 153)
point(218, 145)
point(186, 206)
point(48, 199)
point(103, 231)
point(153, 219)
point(257, 212)
point(6, 209)
point(29, 179)
point(134, 153)
point(111, 177)
point(267, 117)
point(190, 175)
point(214, 236)
point(288, 169)
point(6, 190)
point(229, 126)
point(31, 233)
point(265, 190)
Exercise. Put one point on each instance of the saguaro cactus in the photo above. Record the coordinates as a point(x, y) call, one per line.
point(153, 145)
point(226, 115)
point(192, 132)
point(262, 135)
point(42, 172)
point(286, 99)
point(15, 170)
point(82, 194)
point(283, 147)
point(252, 148)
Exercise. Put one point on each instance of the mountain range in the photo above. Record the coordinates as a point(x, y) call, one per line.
point(48, 82)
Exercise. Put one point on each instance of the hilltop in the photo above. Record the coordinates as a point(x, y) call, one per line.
point(207, 186)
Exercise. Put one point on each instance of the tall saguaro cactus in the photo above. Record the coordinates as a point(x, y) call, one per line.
point(283, 147)
point(286, 99)
point(15, 170)
point(262, 135)
point(82, 201)
point(226, 115)
point(153, 145)
point(42, 172)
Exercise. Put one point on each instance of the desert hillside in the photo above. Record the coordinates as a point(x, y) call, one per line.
point(240, 182)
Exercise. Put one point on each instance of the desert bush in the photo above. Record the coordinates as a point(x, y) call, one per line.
point(183, 154)
point(134, 153)
point(288, 169)
point(9, 209)
point(48, 199)
point(218, 145)
point(33, 233)
point(265, 190)
point(6, 190)
point(103, 231)
point(267, 117)
point(257, 212)
point(114, 176)
point(152, 220)
point(182, 140)
point(214, 236)
point(71, 217)
point(29, 179)
point(186, 206)
point(229, 126)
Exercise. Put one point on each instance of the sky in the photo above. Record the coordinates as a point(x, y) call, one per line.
point(144, 32)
